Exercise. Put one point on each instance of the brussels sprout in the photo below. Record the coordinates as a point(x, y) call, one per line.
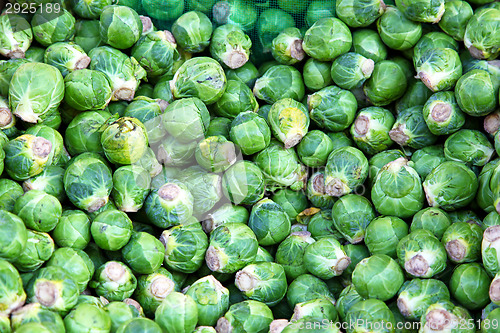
point(173, 153)
point(368, 315)
point(476, 93)
point(386, 84)
point(120, 26)
point(370, 130)
point(215, 153)
point(378, 276)
point(316, 309)
point(243, 183)
point(131, 186)
point(269, 222)
point(74, 262)
point(422, 10)
point(417, 295)
point(319, 9)
point(488, 250)
point(200, 77)
point(152, 289)
point(421, 254)
point(156, 52)
point(468, 146)
point(87, 90)
point(54, 289)
point(211, 298)
point(477, 39)
point(7, 70)
point(247, 74)
point(39, 248)
point(73, 230)
point(143, 253)
point(279, 82)
point(83, 135)
point(87, 317)
point(192, 31)
point(10, 191)
point(50, 181)
point(332, 108)
point(32, 96)
point(230, 46)
point(367, 43)
point(314, 148)
point(289, 121)
point(57, 150)
point(442, 113)
point(356, 13)
point(224, 214)
point(411, 130)
point(34, 313)
point(27, 155)
point(237, 12)
point(287, 47)
point(67, 57)
point(185, 247)
point(177, 312)
point(397, 31)
point(16, 36)
point(87, 34)
point(139, 324)
point(346, 169)
point(122, 72)
point(383, 235)
point(246, 316)
point(379, 160)
point(231, 247)
point(492, 219)
point(326, 258)
point(290, 253)
point(119, 313)
point(351, 215)
point(14, 239)
point(468, 277)
point(250, 132)
point(237, 98)
point(305, 288)
point(316, 74)
point(89, 9)
point(455, 18)
point(220, 126)
point(450, 185)
point(439, 68)
point(164, 11)
point(416, 94)
point(263, 256)
point(12, 295)
point(270, 23)
point(320, 44)
point(445, 316)
point(114, 281)
point(40, 211)
point(50, 27)
point(351, 70)
point(431, 219)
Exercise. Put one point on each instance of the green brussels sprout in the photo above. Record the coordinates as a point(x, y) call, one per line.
point(476, 93)
point(54, 289)
point(431, 41)
point(247, 74)
point(162, 89)
point(35, 90)
point(131, 186)
point(120, 26)
point(332, 108)
point(321, 44)
point(269, 222)
point(270, 23)
point(169, 205)
point(7, 70)
point(439, 68)
point(410, 129)
point(156, 52)
point(16, 36)
point(386, 84)
point(12, 295)
point(237, 98)
point(378, 161)
point(289, 121)
point(73, 230)
point(119, 313)
point(359, 13)
point(74, 262)
point(173, 153)
point(326, 258)
point(237, 12)
point(122, 72)
point(468, 146)
point(139, 324)
point(89, 9)
point(67, 57)
point(488, 251)
point(250, 132)
point(492, 219)
point(351, 215)
point(111, 229)
point(455, 18)
point(416, 94)
point(316, 309)
point(431, 219)
point(204, 6)
point(211, 298)
point(442, 114)
point(263, 255)
point(27, 155)
point(87, 34)
point(10, 191)
point(346, 169)
point(351, 70)
point(200, 77)
point(163, 11)
point(370, 129)
point(347, 298)
point(279, 82)
point(378, 276)
point(281, 167)
point(143, 253)
point(232, 246)
point(487, 191)
point(421, 254)
point(49, 181)
point(215, 153)
point(356, 252)
point(87, 90)
point(369, 315)
point(397, 31)
point(321, 225)
point(192, 31)
point(263, 281)
point(177, 313)
point(39, 248)
point(230, 46)
point(153, 288)
point(307, 287)
point(314, 149)
point(14, 239)
point(422, 10)
point(246, 316)
point(450, 185)
point(56, 154)
point(227, 213)
point(220, 126)
point(243, 183)
point(417, 295)
point(184, 247)
point(319, 9)
point(316, 74)
point(367, 43)
point(40, 211)
point(287, 47)
point(445, 316)
point(114, 281)
point(50, 27)
point(83, 135)
point(87, 317)
point(477, 38)
point(383, 235)
point(34, 313)
point(469, 285)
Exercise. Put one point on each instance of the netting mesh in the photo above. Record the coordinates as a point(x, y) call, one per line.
point(262, 20)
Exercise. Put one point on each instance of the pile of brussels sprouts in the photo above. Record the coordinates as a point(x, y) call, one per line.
point(250, 166)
